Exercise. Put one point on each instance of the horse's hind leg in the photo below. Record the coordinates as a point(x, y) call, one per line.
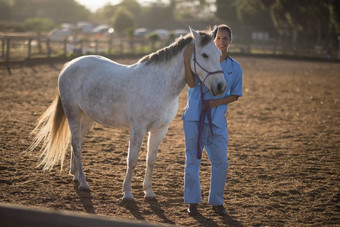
point(154, 140)
point(136, 139)
point(80, 124)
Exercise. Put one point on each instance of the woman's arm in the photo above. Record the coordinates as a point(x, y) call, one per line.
point(189, 77)
point(225, 100)
point(235, 90)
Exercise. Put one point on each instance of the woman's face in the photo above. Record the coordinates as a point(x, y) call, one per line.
point(222, 40)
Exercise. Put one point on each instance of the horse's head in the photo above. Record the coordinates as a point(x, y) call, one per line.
point(206, 63)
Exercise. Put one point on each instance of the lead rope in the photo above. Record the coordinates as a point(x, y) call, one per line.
point(205, 109)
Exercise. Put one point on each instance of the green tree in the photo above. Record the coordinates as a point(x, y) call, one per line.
point(123, 20)
point(245, 17)
point(5, 10)
point(62, 11)
point(298, 24)
point(38, 25)
point(153, 37)
point(191, 9)
point(108, 11)
point(305, 21)
point(58, 11)
point(157, 12)
point(226, 12)
point(254, 14)
point(132, 5)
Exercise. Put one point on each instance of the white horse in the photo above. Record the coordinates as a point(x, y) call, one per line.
point(142, 97)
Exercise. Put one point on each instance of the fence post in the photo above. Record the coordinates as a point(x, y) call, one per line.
point(82, 46)
point(96, 47)
point(65, 47)
point(8, 50)
point(338, 47)
point(8, 44)
point(110, 46)
point(132, 44)
point(29, 48)
point(121, 46)
point(48, 47)
point(3, 47)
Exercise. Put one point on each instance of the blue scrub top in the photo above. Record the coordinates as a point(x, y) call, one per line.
point(233, 76)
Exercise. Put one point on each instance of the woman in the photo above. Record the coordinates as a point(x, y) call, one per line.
point(214, 135)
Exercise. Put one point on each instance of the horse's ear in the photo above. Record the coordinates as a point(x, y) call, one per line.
point(195, 34)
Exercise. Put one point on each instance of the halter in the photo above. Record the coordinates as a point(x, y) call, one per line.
point(205, 110)
point(196, 63)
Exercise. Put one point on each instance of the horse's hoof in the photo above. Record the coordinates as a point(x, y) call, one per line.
point(150, 198)
point(149, 195)
point(128, 196)
point(128, 200)
point(84, 188)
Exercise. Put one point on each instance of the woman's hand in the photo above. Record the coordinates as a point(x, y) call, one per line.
point(216, 102)
point(187, 54)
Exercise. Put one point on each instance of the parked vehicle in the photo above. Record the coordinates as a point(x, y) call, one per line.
point(163, 34)
point(141, 32)
point(103, 29)
point(60, 34)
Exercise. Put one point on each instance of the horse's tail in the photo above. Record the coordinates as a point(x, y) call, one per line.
point(53, 132)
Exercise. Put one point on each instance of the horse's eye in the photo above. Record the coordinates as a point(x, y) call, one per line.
point(204, 55)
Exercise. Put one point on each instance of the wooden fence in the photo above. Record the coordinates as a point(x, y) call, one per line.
point(15, 48)
point(27, 50)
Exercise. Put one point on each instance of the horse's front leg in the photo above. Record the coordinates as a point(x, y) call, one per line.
point(154, 140)
point(136, 139)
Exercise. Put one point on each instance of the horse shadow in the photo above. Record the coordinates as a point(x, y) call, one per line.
point(86, 199)
point(227, 221)
point(132, 206)
point(157, 209)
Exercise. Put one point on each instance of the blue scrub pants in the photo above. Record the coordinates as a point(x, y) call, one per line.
point(216, 147)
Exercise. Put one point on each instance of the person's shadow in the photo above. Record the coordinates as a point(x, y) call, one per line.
point(85, 198)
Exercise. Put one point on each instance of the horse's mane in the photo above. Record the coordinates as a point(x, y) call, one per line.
point(165, 54)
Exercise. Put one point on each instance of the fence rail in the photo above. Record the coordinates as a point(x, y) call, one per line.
point(15, 48)
point(20, 49)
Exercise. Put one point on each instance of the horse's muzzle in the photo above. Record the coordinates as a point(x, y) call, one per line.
point(219, 88)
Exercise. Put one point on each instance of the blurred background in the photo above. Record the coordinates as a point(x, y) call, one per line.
point(52, 28)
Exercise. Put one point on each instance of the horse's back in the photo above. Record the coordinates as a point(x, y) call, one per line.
point(98, 87)
point(115, 94)
point(92, 63)
point(90, 68)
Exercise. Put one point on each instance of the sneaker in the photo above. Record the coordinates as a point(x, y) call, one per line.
point(220, 210)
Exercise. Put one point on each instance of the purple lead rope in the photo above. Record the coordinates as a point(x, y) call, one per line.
point(205, 109)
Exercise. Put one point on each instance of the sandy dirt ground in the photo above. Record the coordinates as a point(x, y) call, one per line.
point(284, 152)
